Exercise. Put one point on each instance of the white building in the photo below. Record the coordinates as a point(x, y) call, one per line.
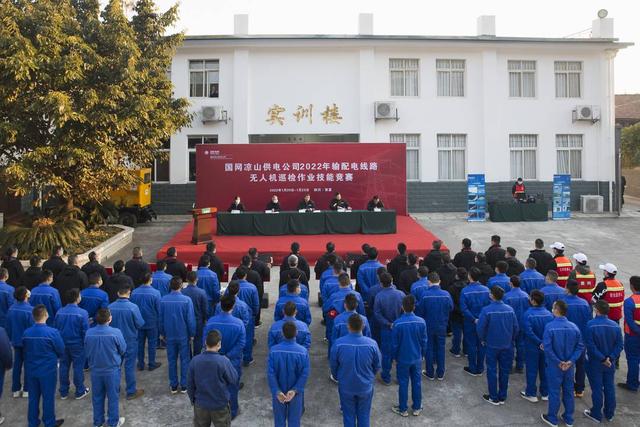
point(503, 106)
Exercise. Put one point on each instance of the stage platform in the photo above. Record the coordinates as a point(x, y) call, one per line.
point(231, 248)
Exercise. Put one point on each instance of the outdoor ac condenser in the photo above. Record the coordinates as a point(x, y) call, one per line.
point(592, 204)
point(385, 110)
point(213, 114)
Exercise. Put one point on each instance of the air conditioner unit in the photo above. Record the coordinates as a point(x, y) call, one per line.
point(213, 114)
point(592, 204)
point(586, 113)
point(385, 110)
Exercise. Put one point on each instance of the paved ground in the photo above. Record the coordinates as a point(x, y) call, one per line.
point(455, 402)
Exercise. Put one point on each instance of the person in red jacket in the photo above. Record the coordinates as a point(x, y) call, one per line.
point(610, 290)
point(561, 264)
point(584, 276)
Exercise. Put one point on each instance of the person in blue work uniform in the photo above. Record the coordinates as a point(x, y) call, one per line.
point(387, 307)
point(6, 296)
point(72, 322)
point(148, 301)
point(46, 295)
point(249, 294)
point(562, 347)
point(6, 360)
point(631, 310)
point(210, 376)
point(531, 278)
point(435, 307)
point(178, 327)
point(93, 298)
point(293, 294)
point(287, 372)
point(409, 336)
point(294, 275)
point(19, 319)
point(201, 308)
point(368, 272)
point(457, 317)
point(355, 361)
point(534, 321)
point(551, 290)
point(43, 346)
point(303, 336)
point(500, 279)
point(335, 305)
point(209, 282)
point(473, 298)
point(106, 349)
point(340, 327)
point(603, 340)
point(497, 329)
point(517, 299)
point(331, 260)
point(126, 317)
point(369, 302)
point(578, 312)
point(332, 283)
point(161, 279)
point(233, 340)
point(417, 288)
point(240, 311)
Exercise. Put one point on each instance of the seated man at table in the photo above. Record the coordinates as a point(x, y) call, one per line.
point(338, 203)
point(375, 203)
point(306, 203)
point(273, 205)
point(236, 205)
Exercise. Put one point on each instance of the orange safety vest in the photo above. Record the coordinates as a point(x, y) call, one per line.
point(615, 297)
point(587, 283)
point(563, 268)
point(636, 315)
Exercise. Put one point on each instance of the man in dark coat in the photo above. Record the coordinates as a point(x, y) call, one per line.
point(117, 279)
point(447, 272)
point(136, 267)
point(55, 263)
point(293, 269)
point(93, 266)
point(303, 264)
point(466, 257)
point(398, 263)
point(433, 260)
point(13, 266)
point(216, 265)
point(32, 277)
point(69, 278)
point(175, 267)
point(409, 275)
point(495, 252)
point(544, 260)
point(515, 266)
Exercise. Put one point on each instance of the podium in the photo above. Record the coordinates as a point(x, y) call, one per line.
point(203, 225)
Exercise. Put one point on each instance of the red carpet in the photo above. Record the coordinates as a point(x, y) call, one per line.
point(231, 248)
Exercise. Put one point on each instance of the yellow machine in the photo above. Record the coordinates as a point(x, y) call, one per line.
point(134, 205)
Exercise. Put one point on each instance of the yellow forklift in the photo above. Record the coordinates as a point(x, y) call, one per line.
point(134, 204)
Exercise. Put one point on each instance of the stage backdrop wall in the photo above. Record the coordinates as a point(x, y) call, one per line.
point(256, 171)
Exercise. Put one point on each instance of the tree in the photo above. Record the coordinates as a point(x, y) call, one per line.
point(630, 141)
point(84, 96)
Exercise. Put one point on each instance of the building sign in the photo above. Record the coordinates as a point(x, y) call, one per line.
point(256, 171)
point(476, 197)
point(561, 197)
point(276, 114)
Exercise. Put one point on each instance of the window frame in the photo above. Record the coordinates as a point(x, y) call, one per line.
point(404, 77)
point(204, 70)
point(569, 149)
point(166, 148)
point(520, 73)
point(193, 150)
point(394, 139)
point(449, 70)
point(535, 150)
point(451, 149)
point(567, 72)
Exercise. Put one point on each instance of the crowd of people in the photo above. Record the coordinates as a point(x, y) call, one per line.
point(550, 315)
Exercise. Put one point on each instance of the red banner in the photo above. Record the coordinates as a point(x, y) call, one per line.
point(257, 171)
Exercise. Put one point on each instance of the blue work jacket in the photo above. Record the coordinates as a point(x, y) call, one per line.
point(19, 319)
point(355, 361)
point(208, 282)
point(72, 322)
point(603, 339)
point(177, 318)
point(531, 279)
point(49, 296)
point(336, 302)
point(409, 336)
point(497, 325)
point(43, 346)
point(199, 301)
point(6, 301)
point(434, 307)
point(387, 307)
point(148, 301)
point(287, 367)
point(126, 317)
point(500, 279)
point(233, 336)
point(517, 299)
point(552, 292)
point(161, 282)
point(303, 336)
point(562, 342)
point(535, 319)
point(578, 311)
point(105, 348)
point(93, 299)
point(473, 298)
point(304, 313)
point(368, 275)
point(341, 329)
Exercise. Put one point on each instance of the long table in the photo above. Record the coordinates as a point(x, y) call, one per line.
point(324, 222)
point(513, 212)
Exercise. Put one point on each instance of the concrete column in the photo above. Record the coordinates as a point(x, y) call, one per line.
point(240, 110)
point(367, 97)
point(491, 138)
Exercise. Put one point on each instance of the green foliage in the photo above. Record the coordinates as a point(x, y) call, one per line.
point(99, 214)
point(630, 141)
point(84, 95)
point(38, 237)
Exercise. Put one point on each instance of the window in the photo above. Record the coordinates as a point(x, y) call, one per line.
point(412, 141)
point(522, 79)
point(451, 156)
point(450, 77)
point(523, 156)
point(192, 141)
point(160, 167)
point(569, 155)
point(204, 78)
point(568, 79)
point(404, 77)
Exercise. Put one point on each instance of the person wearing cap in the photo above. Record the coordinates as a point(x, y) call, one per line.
point(561, 264)
point(518, 190)
point(632, 336)
point(610, 290)
point(584, 276)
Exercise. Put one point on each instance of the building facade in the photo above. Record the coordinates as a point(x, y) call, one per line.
point(507, 107)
